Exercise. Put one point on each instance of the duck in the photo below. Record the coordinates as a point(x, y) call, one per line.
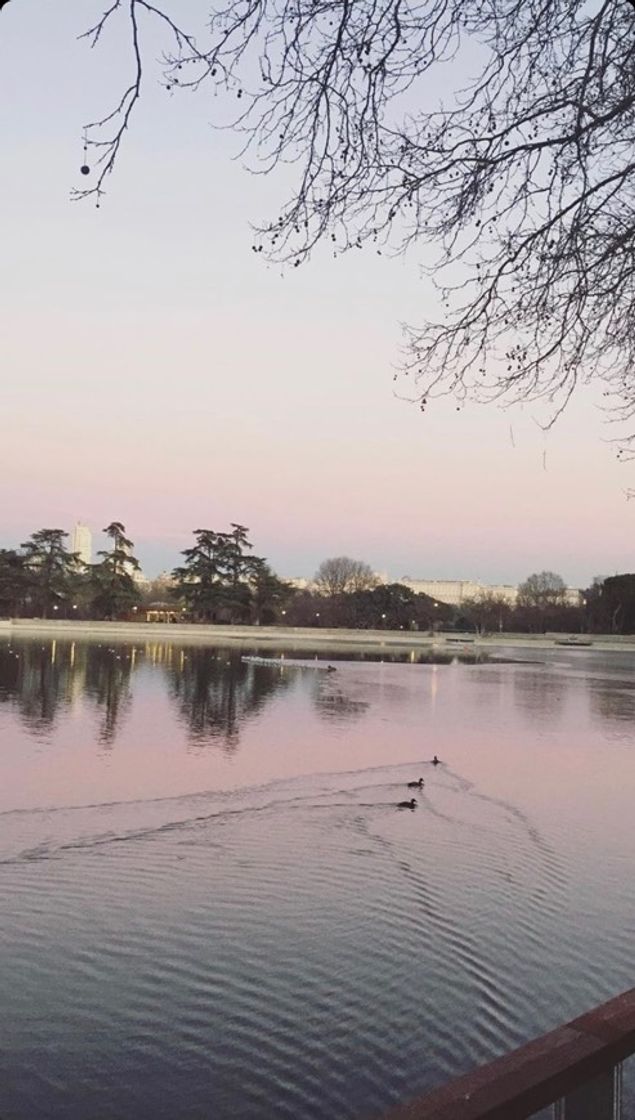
point(412, 804)
point(416, 785)
point(436, 761)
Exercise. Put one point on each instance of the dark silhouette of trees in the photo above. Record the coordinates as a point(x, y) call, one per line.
point(221, 581)
point(522, 178)
point(487, 613)
point(542, 590)
point(597, 607)
point(52, 570)
point(112, 590)
point(209, 580)
point(14, 582)
point(340, 574)
point(617, 595)
point(391, 606)
point(269, 595)
point(542, 605)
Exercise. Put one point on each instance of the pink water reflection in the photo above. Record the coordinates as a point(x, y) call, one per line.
point(93, 727)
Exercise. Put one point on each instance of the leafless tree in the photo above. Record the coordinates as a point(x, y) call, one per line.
point(542, 590)
point(500, 132)
point(340, 574)
point(488, 612)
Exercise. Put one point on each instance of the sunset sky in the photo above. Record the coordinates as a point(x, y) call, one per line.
point(158, 372)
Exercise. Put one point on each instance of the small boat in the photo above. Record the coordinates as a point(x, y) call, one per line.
point(574, 640)
point(463, 641)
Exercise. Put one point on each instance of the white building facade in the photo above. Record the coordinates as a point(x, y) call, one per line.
point(456, 591)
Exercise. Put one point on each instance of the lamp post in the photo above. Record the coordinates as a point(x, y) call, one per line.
point(317, 618)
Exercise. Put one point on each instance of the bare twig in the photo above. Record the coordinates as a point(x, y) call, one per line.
point(523, 181)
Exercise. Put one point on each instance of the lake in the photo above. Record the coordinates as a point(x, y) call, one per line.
point(211, 906)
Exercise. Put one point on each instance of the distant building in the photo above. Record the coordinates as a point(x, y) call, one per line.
point(137, 575)
point(456, 591)
point(300, 583)
point(82, 543)
point(453, 592)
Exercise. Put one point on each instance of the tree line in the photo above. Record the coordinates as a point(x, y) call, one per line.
point(42, 578)
point(221, 580)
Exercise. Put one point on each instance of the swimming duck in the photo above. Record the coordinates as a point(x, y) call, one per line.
point(436, 761)
point(412, 804)
point(416, 785)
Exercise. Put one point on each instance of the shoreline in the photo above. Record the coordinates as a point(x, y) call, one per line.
point(208, 634)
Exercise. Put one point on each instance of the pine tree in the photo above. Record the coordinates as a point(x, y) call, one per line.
point(52, 570)
point(113, 589)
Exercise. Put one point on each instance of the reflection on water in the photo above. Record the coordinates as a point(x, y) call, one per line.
point(42, 679)
point(613, 701)
point(541, 696)
point(215, 692)
point(333, 702)
point(255, 930)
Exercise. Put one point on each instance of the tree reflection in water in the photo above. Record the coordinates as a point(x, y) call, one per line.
point(107, 680)
point(35, 677)
point(215, 691)
point(40, 679)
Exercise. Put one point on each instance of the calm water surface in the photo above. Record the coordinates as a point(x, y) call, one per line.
point(210, 905)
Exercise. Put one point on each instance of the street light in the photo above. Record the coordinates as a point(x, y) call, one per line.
point(55, 607)
point(74, 606)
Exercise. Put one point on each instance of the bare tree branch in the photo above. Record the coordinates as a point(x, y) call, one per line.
point(522, 179)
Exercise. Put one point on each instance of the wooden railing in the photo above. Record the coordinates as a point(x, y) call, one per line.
point(575, 1068)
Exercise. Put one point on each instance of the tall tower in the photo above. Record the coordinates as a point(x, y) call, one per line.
point(82, 542)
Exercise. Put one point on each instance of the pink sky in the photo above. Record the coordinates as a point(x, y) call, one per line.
point(158, 372)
